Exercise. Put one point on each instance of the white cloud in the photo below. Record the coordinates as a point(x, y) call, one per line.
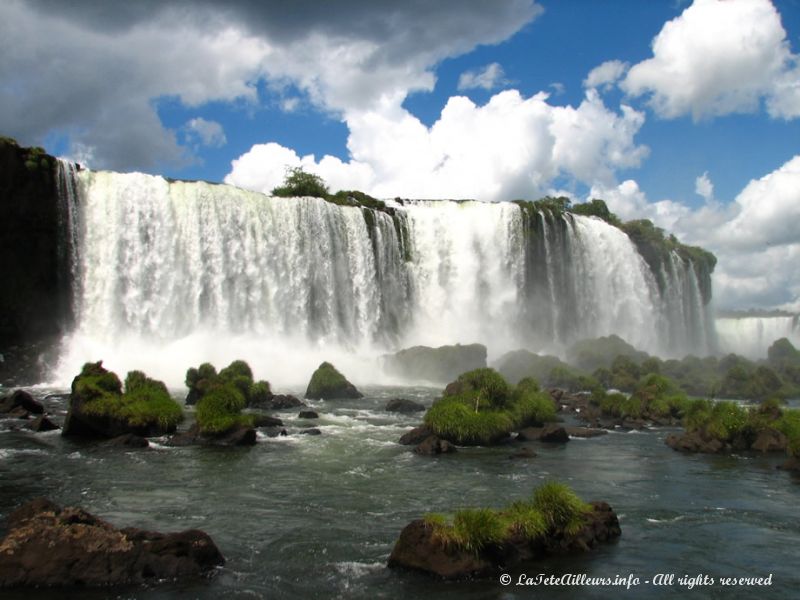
point(704, 187)
point(511, 147)
point(605, 75)
point(720, 57)
point(206, 132)
point(488, 78)
point(94, 72)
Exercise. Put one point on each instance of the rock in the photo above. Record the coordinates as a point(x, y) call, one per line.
point(433, 445)
point(550, 433)
point(20, 399)
point(265, 421)
point(239, 435)
point(523, 453)
point(275, 432)
point(310, 431)
point(308, 414)
point(419, 548)
point(438, 365)
point(556, 394)
point(328, 384)
point(695, 441)
point(636, 424)
point(127, 440)
point(48, 546)
point(402, 405)
point(769, 440)
point(584, 432)
point(529, 434)
point(278, 402)
point(17, 413)
point(415, 436)
point(792, 464)
point(41, 424)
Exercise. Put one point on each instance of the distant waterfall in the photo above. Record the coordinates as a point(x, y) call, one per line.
point(752, 336)
point(173, 273)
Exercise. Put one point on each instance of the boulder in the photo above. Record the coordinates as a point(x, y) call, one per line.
point(278, 402)
point(238, 435)
point(792, 465)
point(310, 431)
point(48, 546)
point(419, 548)
point(127, 440)
point(695, 441)
point(402, 405)
point(415, 436)
point(41, 424)
point(433, 445)
point(550, 433)
point(20, 399)
point(266, 421)
point(329, 384)
point(769, 440)
point(308, 414)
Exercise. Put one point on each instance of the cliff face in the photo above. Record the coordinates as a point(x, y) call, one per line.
point(35, 298)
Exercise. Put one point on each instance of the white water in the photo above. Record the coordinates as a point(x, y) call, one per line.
point(169, 275)
point(752, 336)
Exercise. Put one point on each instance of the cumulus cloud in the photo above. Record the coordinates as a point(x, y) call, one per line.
point(605, 75)
point(510, 147)
point(704, 187)
point(93, 72)
point(720, 57)
point(206, 132)
point(488, 78)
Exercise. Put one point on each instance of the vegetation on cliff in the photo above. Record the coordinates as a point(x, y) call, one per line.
point(480, 408)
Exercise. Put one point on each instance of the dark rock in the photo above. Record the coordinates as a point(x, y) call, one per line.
point(433, 445)
point(193, 397)
point(21, 399)
point(308, 414)
point(556, 394)
point(554, 434)
point(792, 464)
point(695, 441)
point(415, 436)
point(402, 405)
point(584, 432)
point(310, 431)
point(41, 424)
point(17, 413)
point(265, 421)
point(529, 434)
point(523, 453)
point(419, 548)
point(278, 402)
point(328, 383)
point(47, 546)
point(239, 435)
point(127, 440)
point(275, 432)
point(636, 424)
point(769, 440)
point(439, 365)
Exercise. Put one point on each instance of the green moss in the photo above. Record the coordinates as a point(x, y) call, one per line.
point(219, 410)
point(145, 401)
point(327, 382)
point(238, 374)
point(554, 509)
point(260, 392)
point(789, 425)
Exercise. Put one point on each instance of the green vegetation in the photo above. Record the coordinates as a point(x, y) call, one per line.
point(440, 364)
point(600, 352)
point(298, 183)
point(654, 397)
point(554, 509)
point(327, 383)
point(220, 409)
point(597, 208)
point(480, 408)
point(145, 402)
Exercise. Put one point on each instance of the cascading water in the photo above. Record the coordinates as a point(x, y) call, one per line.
point(752, 336)
point(171, 274)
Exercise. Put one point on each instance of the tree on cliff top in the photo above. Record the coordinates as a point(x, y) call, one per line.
point(299, 183)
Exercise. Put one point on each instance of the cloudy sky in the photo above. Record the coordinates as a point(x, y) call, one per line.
point(687, 113)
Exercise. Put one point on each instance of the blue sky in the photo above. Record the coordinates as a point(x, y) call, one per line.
point(687, 113)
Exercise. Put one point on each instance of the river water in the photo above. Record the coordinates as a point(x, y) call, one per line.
point(316, 516)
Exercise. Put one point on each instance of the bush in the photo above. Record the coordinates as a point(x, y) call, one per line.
point(220, 409)
point(298, 183)
point(238, 374)
point(561, 508)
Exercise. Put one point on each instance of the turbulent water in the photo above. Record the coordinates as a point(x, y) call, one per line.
point(316, 516)
point(752, 336)
point(169, 274)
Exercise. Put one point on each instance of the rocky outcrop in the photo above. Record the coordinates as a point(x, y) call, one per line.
point(402, 405)
point(20, 404)
point(329, 384)
point(553, 434)
point(415, 436)
point(238, 435)
point(439, 365)
point(696, 441)
point(278, 402)
point(421, 549)
point(48, 546)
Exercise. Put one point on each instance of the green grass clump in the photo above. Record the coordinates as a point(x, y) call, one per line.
point(203, 379)
point(789, 425)
point(219, 410)
point(553, 509)
point(479, 408)
point(260, 391)
point(145, 401)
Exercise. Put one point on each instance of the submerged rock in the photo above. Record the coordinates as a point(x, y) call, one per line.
point(433, 445)
point(128, 440)
point(308, 414)
point(48, 546)
point(523, 453)
point(554, 434)
point(42, 423)
point(328, 384)
point(415, 436)
point(402, 405)
point(696, 441)
point(238, 435)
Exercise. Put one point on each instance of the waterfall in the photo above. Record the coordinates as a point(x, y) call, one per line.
point(752, 336)
point(170, 274)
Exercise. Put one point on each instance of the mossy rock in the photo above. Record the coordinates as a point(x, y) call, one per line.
point(327, 383)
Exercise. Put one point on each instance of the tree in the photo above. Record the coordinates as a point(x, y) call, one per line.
point(299, 183)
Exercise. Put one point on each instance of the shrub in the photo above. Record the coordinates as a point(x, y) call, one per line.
point(260, 392)
point(560, 506)
point(789, 425)
point(454, 420)
point(220, 409)
point(298, 183)
point(238, 374)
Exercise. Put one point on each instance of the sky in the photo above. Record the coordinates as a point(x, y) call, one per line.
point(686, 113)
